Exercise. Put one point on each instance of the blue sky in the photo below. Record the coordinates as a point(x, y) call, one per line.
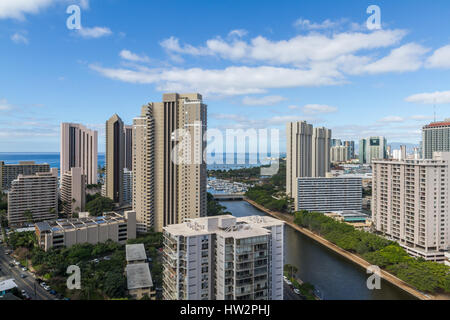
point(258, 64)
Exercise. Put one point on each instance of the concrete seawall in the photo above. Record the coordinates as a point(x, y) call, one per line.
point(288, 219)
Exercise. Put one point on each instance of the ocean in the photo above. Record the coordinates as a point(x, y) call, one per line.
point(227, 161)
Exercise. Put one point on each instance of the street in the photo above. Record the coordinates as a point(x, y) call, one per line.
point(289, 293)
point(32, 287)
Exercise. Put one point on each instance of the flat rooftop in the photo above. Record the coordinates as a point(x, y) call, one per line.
point(135, 252)
point(138, 276)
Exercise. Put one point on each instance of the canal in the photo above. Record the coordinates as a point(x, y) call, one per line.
point(335, 277)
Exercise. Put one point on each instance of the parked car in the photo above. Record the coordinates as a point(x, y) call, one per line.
point(297, 291)
point(53, 292)
point(11, 265)
point(289, 283)
point(23, 276)
point(47, 288)
point(24, 269)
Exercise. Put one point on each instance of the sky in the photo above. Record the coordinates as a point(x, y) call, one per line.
point(258, 64)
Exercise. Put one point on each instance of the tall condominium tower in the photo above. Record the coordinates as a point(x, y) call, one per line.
point(373, 148)
point(10, 172)
point(410, 204)
point(321, 152)
point(172, 165)
point(435, 137)
point(128, 147)
point(308, 153)
point(144, 169)
point(339, 154)
point(115, 155)
point(73, 191)
point(33, 198)
point(79, 147)
point(224, 258)
point(351, 149)
point(298, 154)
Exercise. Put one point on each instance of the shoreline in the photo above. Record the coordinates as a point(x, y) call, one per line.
point(289, 220)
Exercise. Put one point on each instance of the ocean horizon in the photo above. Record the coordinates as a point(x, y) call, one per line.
point(238, 160)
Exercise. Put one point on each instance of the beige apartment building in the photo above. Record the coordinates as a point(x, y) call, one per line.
point(73, 191)
point(167, 189)
point(69, 232)
point(339, 154)
point(115, 158)
point(79, 147)
point(410, 204)
point(10, 172)
point(307, 153)
point(33, 198)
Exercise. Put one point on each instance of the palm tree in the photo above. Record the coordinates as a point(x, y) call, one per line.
point(291, 270)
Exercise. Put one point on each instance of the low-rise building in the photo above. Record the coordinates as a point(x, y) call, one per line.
point(135, 253)
point(139, 281)
point(68, 232)
point(6, 286)
point(356, 219)
point(447, 258)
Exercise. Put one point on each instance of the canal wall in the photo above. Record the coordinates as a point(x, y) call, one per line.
point(289, 219)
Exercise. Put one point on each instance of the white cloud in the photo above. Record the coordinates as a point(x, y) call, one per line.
point(438, 97)
point(95, 32)
point(440, 58)
point(19, 38)
point(17, 9)
point(300, 50)
point(262, 101)
point(408, 57)
point(392, 119)
point(318, 109)
point(308, 25)
point(421, 117)
point(238, 33)
point(128, 55)
point(4, 105)
point(228, 81)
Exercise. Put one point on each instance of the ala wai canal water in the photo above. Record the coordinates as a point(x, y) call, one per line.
point(335, 277)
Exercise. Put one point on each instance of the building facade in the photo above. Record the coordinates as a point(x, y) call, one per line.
point(67, 233)
point(436, 138)
point(373, 148)
point(115, 156)
point(10, 172)
point(73, 191)
point(170, 173)
point(33, 198)
point(321, 142)
point(79, 149)
point(410, 204)
point(329, 194)
point(127, 186)
point(351, 149)
point(339, 154)
point(224, 258)
point(128, 132)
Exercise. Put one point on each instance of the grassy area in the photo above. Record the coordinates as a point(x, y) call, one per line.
point(425, 276)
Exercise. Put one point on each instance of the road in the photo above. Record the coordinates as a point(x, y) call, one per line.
point(29, 284)
point(289, 293)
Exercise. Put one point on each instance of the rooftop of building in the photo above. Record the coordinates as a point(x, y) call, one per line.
point(70, 224)
point(24, 163)
point(135, 252)
point(445, 123)
point(138, 276)
point(226, 226)
point(7, 284)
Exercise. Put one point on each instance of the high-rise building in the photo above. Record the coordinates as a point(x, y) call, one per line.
point(79, 149)
point(373, 148)
point(73, 191)
point(339, 154)
point(10, 172)
point(351, 149)
point(436, 138)
point(410, 204)
point(307, 153)
point(224, 258)
point(298, 153)
point(321, 152)
point(33, 198)
point(336, 142)
point(115, 155)
point(329, 194)
point(169, 169)
point(128, 131)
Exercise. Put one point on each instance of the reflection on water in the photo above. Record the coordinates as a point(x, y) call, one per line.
point(335, 277)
